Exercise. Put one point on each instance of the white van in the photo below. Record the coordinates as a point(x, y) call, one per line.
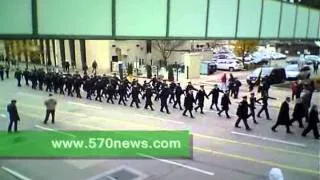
point(229, 64)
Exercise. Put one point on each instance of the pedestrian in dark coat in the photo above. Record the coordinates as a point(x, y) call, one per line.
point(313, 120)
point(215, 96)
point(172, 88)
point(265, 97)
point(110, 91)
point(225, 102)
point(299, 113)
point(201, 94)
point(283, 117)
point(135, 95)
point(242, 113)
point(188, 103)
point(1, 72)
point(13, 116)
point(7, 69)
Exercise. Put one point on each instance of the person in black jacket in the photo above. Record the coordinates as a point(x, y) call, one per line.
point(1, 72)
point(164, 94)
point(26, 75)
point(41, 77)
point(200, 98)
point(215, 96)
point(242, 113)
point(13, 115)
point(99, 86)
point(188, 103)
point(283, 117)
point(313, 119)
point(77, 85)
point(7, 69)
point(252, 106)
point(299, 113)
point(190, 87)
point(237, 85)
point(122, 91)
point(225, 102)
point(87, 86)
point(148, 95)
point(18, 75)
point(178, 93)
point(34, 79)
point(110, 91)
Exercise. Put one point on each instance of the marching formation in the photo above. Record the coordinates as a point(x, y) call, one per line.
point(113, 88)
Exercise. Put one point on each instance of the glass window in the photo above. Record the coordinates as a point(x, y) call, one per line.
point(75, 17)
point(15, 17)
point(287, 20)
point(249, 18)
point(302, 22)
point(185, 14)
point(313, 24)
point(222, 18)
point(270, 19)
point(141, 18)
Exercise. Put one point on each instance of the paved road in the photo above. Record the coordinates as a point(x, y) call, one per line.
point(220, 151)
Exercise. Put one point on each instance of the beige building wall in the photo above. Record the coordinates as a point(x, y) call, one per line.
point(67, 51)
point(192, 61)
point(99, 50)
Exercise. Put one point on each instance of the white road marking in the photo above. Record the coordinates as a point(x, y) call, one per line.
point(15, 173)
point(30, 94)
point(85, 105)
point(161, 119)
point(54, 130)
point(3, 115)
point(179, 164)
point(270, 139)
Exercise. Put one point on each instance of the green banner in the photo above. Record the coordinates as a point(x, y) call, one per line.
point(95, 144)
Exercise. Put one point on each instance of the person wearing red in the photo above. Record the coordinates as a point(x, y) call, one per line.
point(223, 82)
point(294, 86)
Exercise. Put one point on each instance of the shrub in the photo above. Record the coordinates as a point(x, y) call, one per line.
point(130, 69)
point(170, 74)
point(149, 71)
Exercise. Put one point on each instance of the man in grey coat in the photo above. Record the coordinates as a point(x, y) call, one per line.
point(51, 108)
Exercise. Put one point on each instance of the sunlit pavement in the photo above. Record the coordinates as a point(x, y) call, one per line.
point(220, 151)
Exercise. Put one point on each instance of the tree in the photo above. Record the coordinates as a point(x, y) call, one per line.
point(166, 47)
point(149, 71)
point(242, 47)
point(130, 69)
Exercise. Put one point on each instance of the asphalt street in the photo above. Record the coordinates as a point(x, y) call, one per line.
point(221, 151)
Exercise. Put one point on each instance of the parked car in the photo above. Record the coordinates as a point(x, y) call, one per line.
point(223, 56)
point(229, 64)
point(277, 56)
point(275, 75)
point(312, 58)
point(295, 72)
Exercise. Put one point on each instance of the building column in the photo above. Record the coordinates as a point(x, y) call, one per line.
point(77, 54)
point(48, 55)
point(72, 52)
point(54, 52)
point(83, 53)
point(42, 52)
point(62, 52)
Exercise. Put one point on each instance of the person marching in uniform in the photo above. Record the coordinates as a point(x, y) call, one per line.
point(313, 119)
point(265, 97)
point(252, 106)
point(188, 103)
point(299, 113)
point(122, 91)
point(200, 98)
point(215, 96)
point(148, 95)
point(178, 92)
point(242, 113)
point(164, 95)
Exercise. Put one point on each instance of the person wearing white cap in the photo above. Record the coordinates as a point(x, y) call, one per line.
point(275, 174)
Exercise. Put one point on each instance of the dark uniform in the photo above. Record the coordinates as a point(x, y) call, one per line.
point(135, 95)
point(200, 98)
point(13, 115)
point(18, 75)
point(252, 106)
point(283, 117)
point(264, 107)
point(148, 95)
point(178, 92)
point(77, 85)
point(41, 77)
point(188, 103)
point(225, 101)
point(110, 91)
point(122, 91)
point(87, 86)
point(172, 87)
point(34, 79)
point(313, 119)
point(237, 85)
point(242, 113)
point(48, 81)
point(164, 94)
point(69, 84)
point(99, 86)
point(7, 69)
point(215, 97)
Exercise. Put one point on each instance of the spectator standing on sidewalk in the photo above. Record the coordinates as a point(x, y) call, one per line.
point(223, 84)
point(13, 116)
point(94, 67)
point(51, 108)
point(294, 86)
point(315, 67)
